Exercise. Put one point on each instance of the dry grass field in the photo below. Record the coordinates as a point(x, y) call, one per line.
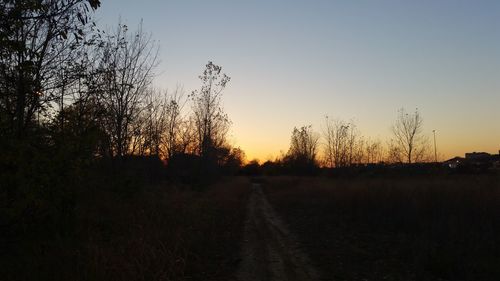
point(399, 228)
point(420, 228)
point(158, 233)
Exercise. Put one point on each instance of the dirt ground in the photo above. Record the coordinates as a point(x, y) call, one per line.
point(269, 250)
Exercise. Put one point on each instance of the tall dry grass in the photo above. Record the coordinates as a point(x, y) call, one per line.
point(157, 233)
point(420, 228)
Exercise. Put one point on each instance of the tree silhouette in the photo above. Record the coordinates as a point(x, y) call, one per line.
point(126, 63)
point(211, 123)
point(38, 43)
point(301, 156)
point(343, 144)
point(374, 151)
point(408, 144)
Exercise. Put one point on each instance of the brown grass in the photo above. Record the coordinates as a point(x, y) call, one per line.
point(437, 228)
point(158, 233)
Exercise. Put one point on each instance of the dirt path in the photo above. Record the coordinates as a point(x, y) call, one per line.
point(269, 250)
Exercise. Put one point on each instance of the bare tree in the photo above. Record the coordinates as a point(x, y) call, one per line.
point(159, 129)
point(343, 144)
point(374, 151)
point(147, 127)
point(211, 123)
point(408, 144)
point(172, 137)
point(394, 152)
point(303, 146)
point(358, 154)
point(126, 62)
point(187, 137)
point(334, 134)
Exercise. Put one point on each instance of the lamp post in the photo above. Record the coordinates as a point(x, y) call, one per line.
point(435, 149)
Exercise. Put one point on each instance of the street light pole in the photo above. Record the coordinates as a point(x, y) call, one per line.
point(435, 149)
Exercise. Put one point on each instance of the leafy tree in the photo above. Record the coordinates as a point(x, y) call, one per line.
point(38, 40)
point(41, 44)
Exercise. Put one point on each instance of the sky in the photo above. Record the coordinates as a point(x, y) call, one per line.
point(292, 63)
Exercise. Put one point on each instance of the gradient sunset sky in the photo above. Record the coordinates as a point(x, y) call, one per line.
point(293, 62)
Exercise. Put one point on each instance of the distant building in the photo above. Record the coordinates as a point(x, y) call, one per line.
point(475, 161)
point(454, 162)
point(477, 156)
point(496, 161)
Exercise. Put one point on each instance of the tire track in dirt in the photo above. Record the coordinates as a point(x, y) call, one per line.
point(269, 251)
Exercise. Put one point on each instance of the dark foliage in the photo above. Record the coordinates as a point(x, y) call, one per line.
point(83, 192)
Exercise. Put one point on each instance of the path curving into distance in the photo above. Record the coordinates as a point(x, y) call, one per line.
point(269, 251)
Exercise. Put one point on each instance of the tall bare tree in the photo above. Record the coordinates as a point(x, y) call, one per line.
point(172, 137)
point(148, 126)
point(343, 144)
point(409, 144)
point(127, 61)
point(158, 131)
point(210, 120)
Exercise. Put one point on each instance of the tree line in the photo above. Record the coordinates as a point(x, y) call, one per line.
point(74, 96)
point(60, 72)
point(341, 145)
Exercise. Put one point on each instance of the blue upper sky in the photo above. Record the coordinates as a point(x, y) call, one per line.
point(293, 62)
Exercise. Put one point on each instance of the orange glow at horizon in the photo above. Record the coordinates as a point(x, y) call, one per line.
point(263, 155)
point(258, 148)
point(344, 59)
